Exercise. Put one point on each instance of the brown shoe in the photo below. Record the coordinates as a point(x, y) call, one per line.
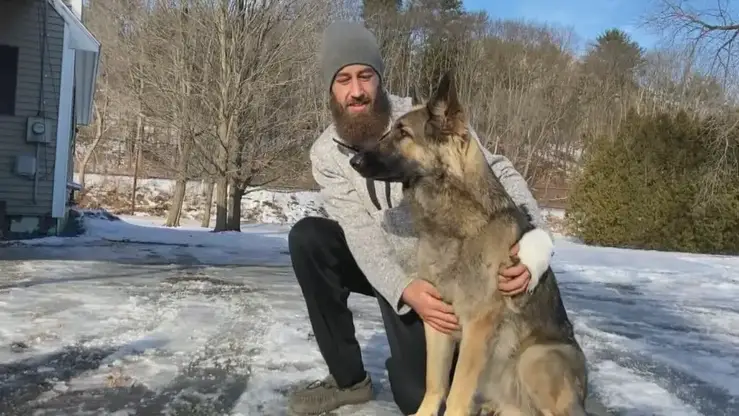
point(323, 396)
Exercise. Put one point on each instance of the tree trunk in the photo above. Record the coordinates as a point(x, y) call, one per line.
point(82, 172)
point(234, 209)
point(175, 210)
point(221, 204)
point(137, 162)
point(136, 166)
point(222, 184)
point(233, 222)
point(207, 208)
point(98, 137)
point(224, 134)
point(138, 146)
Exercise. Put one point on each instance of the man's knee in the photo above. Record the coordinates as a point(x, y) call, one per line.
point(309, 242)
point(309, 231)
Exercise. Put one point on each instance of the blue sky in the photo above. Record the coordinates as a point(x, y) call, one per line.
point(588, 17)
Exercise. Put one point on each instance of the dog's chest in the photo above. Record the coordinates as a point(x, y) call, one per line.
point(455, 270)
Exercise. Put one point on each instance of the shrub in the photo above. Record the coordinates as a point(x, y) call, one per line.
point(645, 188)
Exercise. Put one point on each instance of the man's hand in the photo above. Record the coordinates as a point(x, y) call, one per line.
point(514, 279)
point(423, 297)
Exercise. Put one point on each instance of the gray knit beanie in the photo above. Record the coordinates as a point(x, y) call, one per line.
point(348, 43)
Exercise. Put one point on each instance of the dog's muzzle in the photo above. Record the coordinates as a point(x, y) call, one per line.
point(372, 165)
point(358, 162)
point(369, 165)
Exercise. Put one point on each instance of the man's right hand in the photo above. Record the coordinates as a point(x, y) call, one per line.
point(423, 297)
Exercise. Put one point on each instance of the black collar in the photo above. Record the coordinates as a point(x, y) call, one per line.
point(346, 148)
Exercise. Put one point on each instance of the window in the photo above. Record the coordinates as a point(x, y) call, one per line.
point(8, 78)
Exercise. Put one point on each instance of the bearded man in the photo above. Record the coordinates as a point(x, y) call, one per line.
point(365, 245)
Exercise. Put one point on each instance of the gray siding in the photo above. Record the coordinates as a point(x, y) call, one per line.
point(21, 24)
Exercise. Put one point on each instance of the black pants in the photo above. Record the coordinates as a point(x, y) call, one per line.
point(327, 274)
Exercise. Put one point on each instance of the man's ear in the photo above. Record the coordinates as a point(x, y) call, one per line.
point(445, 108)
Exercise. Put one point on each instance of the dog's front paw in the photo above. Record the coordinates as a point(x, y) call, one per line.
point(428, 408)
point(425, 412)
point(535, 252)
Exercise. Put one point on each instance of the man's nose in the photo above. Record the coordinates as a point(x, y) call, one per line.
point(356, 89)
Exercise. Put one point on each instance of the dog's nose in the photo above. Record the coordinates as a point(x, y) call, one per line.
point(357, 161)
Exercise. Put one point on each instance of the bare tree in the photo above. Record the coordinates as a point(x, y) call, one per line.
point(709, 36)
point(103, 21)
point(711, 32)
point(228, 92)
point(90, 144)
point(173, 78)
point(254, 45)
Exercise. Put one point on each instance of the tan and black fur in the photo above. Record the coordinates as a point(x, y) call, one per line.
point(519, 353)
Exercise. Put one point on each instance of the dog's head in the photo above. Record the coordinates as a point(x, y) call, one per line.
point(430, 138)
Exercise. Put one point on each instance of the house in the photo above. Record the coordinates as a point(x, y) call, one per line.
point(48, 68)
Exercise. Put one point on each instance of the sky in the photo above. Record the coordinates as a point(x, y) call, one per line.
point(589, 18)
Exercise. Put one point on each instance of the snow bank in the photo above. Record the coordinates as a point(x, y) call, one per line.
point(153, 198)
point(260, 206)
point(100, 226)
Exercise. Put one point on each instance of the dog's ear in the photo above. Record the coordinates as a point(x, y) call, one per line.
point(445, 108)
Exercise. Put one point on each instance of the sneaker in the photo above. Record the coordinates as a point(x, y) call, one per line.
point(323, 396)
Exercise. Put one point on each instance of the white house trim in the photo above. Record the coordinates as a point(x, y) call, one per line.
point(86, 61)
point(81, 37)
point(80, 58)
point(86, 71)
point(63, 127)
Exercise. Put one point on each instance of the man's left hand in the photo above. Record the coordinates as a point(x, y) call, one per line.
point(515, 279)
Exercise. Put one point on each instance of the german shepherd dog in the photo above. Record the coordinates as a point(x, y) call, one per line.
point(519, 353)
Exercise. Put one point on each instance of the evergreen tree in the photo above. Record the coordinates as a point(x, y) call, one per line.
point(372, 9)
point(443, 37)
point(614, 58)
point(643, 189)
point(384, 19)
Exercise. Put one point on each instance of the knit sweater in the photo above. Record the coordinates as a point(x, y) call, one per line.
point(378, 226)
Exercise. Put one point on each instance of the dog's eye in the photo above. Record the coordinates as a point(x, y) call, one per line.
point(405, 132)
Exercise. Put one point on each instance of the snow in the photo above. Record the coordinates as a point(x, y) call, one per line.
point(134, 318)
point(258, 206)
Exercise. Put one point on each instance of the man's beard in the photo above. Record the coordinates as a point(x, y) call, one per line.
point(358, 129)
